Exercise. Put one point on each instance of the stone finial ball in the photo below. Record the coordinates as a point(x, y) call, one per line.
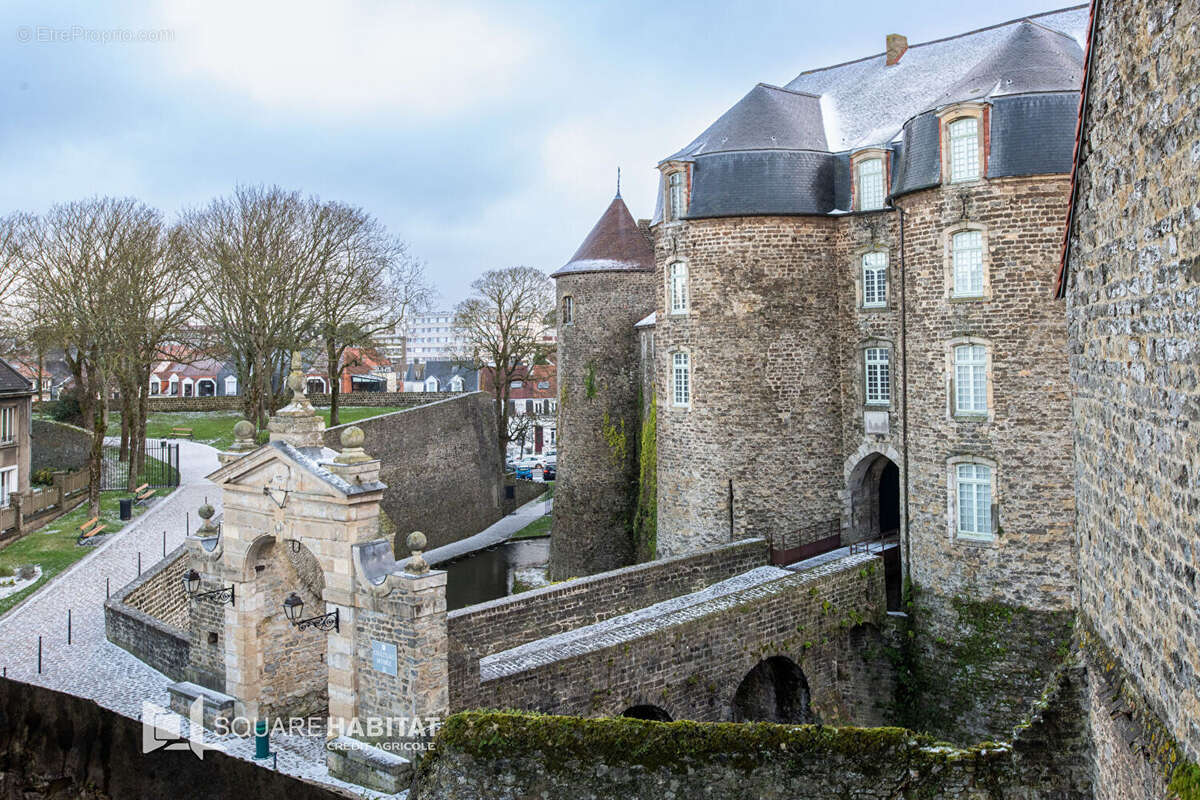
point(295, 382)
point(244, 429)
point(353, 437)
point(416, 541)
point(206, 512)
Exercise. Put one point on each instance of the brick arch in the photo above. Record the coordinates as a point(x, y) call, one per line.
point(775, 689)
point(648, 711)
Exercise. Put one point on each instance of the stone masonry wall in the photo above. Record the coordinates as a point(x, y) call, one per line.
point(765, 410)
point(441, 465)
point(54, 745)
point(599, 416)
point(1133, 300)
point(806, 617)
point(148, 617)
point(58, 446)
point(487, 628)
point(345, 399)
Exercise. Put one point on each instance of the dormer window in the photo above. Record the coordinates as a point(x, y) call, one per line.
point(963, 134)
point(869, 183)
point(676, 195)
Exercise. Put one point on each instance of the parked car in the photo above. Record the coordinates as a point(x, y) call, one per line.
point(550, 473)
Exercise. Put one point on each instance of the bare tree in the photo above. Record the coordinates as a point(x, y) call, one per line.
point(72, 261)
point(257, 256)
point(503, 326)
point(366, 283)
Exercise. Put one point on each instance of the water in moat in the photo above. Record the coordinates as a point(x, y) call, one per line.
point(488, 574)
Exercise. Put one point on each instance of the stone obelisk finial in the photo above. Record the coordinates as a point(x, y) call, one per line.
point(297, 423)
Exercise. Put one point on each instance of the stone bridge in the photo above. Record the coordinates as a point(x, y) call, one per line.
point(764, 643)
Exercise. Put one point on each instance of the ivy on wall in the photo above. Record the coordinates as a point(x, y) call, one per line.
point(645, 520)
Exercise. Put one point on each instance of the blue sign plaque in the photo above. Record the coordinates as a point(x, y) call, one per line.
point(383, 656)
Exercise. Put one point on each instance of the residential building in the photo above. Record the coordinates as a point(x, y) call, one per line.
point(441, 376)
point(533, 403)
point(16, 420)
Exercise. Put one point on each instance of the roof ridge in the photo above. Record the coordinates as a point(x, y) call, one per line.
point(1026, 18)
point(773, 87)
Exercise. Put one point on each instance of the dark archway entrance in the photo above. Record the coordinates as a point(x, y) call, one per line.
point(647, 712)
point(874, 522)
point(889, 500)
point(774, 691)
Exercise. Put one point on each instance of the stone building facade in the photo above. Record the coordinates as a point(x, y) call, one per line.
point(1132, 286)
point(602, 293)
point(854, 337)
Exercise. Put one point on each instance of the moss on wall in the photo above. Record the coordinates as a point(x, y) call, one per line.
point(645, 521)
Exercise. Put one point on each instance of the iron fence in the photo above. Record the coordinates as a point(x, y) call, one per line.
point(160, 470)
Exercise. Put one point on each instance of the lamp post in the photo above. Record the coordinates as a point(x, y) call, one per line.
point(191, 584)
point(293, 609)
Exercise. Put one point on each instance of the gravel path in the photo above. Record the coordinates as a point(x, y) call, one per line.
point(92, 667)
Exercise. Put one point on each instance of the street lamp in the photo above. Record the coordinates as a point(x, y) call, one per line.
point(293, 609)
point(191, 583)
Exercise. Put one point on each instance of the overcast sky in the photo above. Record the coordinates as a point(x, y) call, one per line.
point(487, 134)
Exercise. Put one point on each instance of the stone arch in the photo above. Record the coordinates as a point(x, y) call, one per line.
point(873, 498)
point(647, 711)
point(774, 690)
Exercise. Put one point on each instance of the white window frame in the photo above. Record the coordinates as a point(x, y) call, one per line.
point(8, 425)
point(875, 279)
point(173, 386)
point(681, 380)
point(568, 309)
point(456, 383)
point(188, 383)
point(965, 259)
point(231, 385)
point(678, 300)
point(874, 181)
point(676, 204)
point(962, 138)
point(431, 384)
point(9, 484)
point(971, 379)
point(877, 375)
point(976, 478)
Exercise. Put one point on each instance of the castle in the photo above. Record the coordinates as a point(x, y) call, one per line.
point(843, 316)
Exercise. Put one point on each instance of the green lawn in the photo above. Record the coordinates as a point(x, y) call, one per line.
point(539, 527)
point(53, 547)
point(216, 427)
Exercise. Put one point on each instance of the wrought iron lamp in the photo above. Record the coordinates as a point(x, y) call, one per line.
point(191, 584)
point(293, 609)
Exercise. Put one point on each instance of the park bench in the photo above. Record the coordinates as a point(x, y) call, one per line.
point(142, 493)
point(181, 433)
point(89, 529)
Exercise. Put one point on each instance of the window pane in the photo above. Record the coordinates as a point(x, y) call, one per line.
point(879, 390)
point(964, 150)
point(974, 499)
point(679, 292)
point(682, 379)
point(675, 195)
point(870, 184)
point(968, 264)
point(875, 279)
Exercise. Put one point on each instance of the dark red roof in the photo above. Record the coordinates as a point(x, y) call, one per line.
point(616, 244)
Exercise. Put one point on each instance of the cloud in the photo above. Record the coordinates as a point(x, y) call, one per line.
point(324, 58)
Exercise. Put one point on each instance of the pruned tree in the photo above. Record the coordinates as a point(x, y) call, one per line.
point(257, 258)
point(366, 283)
point(502, 327)
point(74, 263)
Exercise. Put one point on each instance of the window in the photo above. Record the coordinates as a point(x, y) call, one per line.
point(187, 387)
point(568, 310)
point(970, 379)
point(154, 387)
point(878, 376)
point(874, 268)
point(964, 149)
point(968, 264)
point(8, 424)
point(682, 380)
point(431, 384)
point(174, 386)
point(230, 386)
point(456, 384)
point(870, 184)
point(678, 288)
point(543, 384)
point(516, 385)
point(974, 500)
point(8, 484)
point(675, 196)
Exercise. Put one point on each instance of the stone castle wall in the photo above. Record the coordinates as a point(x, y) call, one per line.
point(345, 399)
point(441, 464)
point(598, 421)
point(765, 416)
point(149, 617)
point(487, 628)
point(1133, 301)
point(58, 446)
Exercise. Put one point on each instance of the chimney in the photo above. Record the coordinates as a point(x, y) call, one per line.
point(896, 46)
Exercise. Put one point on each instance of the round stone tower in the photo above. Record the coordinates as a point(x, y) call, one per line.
point(602, 293)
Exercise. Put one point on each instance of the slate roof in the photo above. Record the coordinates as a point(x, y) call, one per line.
point(785, 150)
point(615, 244)
point(444, 371)
point(11, 381)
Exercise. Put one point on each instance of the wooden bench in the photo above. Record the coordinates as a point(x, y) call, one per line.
point(181, 433)
point(142, 493)
point(89, 529)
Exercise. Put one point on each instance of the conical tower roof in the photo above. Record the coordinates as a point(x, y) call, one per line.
point(616, 244)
